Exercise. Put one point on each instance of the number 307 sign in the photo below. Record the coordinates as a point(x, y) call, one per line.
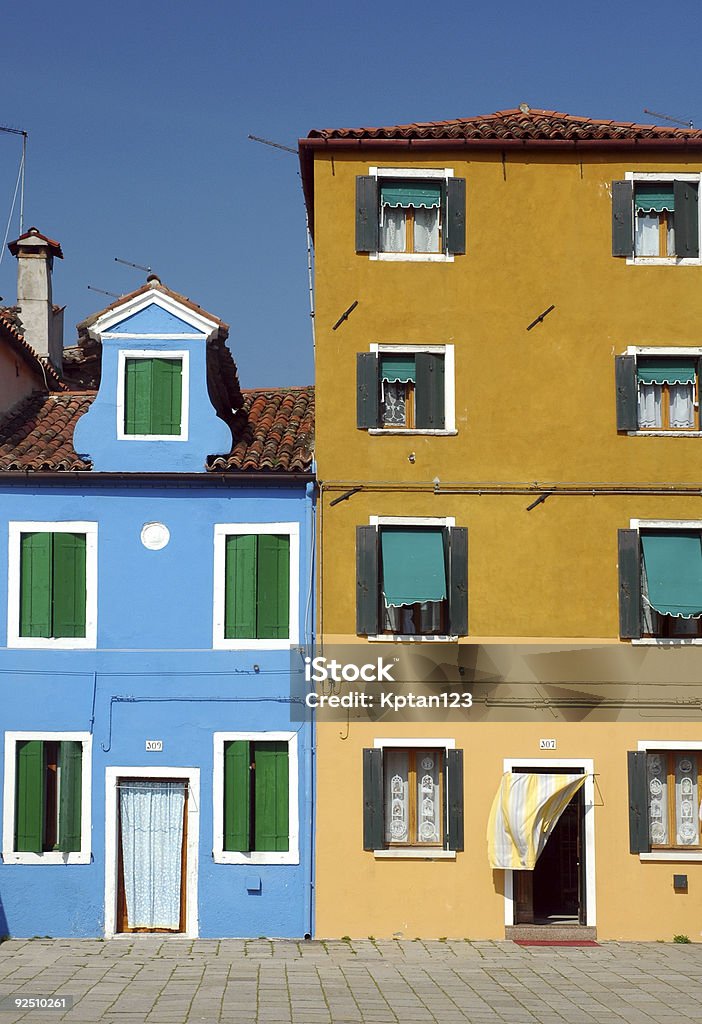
point(543, 745)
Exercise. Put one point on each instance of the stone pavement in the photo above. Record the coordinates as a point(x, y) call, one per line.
point(181, 981)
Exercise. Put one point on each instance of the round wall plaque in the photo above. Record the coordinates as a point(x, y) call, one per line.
point(155, 536)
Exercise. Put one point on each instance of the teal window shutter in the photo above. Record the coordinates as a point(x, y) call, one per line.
point(273, 597)
point(240, 587)
point(673, 562)
point(70, 795)
point(69, 585)
point(166, 395)
point(414, 568)
point(271, 808)
point(137, 396)
point(237, 796)
point(35, 584)
point(29, 797)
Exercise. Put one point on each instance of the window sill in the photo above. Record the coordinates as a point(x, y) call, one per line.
point(64, 643)
point(664, 433)
point(662, 261)
point(404, 431)
point(256, 857)
point(661, 641)
point(675, 855)
point(53, 857)
point(410, 257)
point(219, 644)
point(152, 437)
point(389, 638)
point(414, 853)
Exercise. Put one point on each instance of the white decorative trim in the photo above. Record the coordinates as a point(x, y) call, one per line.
point(16, 529)
point(292, 854)
point(112, 777)
point(663, 350)
point(421, 744)
point(410, 638)
point(411, 172)
point(665, 261)
point(154, 353)
point(411, 257)
point(587, 765)
point(118, 336)
point(448, 352)
point(663, 433)
point(152, 297)
point(9, 855)
point(412, 521)
point(672, 855)
point(221, 532)
point(414, 853)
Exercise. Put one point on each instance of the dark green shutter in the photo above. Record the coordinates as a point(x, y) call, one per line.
point(622, 218)
point(166, 395)
point(29, 797)
point(367, 391)
point(626, 392)
point(629, 585)
point(367, 214)
point(70, 795)
point(367, 580)
point(373, 814)
point(272, 799)
point(639, 841)
point(456, 216)
point(35, 584)
point(458, 581)
point(273, 603)
point(240, 587)
point(137, 396)
point(686, 219)
point(69, 586)
point(429, 394)
point(237, 796)
point(453, 787)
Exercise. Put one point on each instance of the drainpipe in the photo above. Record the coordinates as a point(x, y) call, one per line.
point(311, 759)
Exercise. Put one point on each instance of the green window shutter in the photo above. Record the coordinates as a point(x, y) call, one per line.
point(373, 815)
point(622, 218)
point(367, 214)
point(367, 599)
point(237, 796)
point(639, 841)
point(456, 216)
point(137, 396)
point(687, 236)
point(271, 825)
point(430, 391)
point(70, 795)
point(453, 787)
point(29, 797)
point(69, 584)
point(629, 585)
point(273, 577)
point(367, 391)
point(458, 581)
point(35, 584)
point(166, 395)
point(240, 571)
point(626, 392)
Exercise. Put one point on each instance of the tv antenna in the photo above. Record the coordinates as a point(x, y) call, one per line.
point(136, 266)
point(18, 186)
point(667, 117)
point(103, 292)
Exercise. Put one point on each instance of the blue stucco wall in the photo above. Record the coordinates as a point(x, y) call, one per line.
point(155, 646)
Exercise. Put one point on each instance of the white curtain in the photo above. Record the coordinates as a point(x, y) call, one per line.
point(647, 234)
point(426, 229)
point(152, 841)
point(650, 405)
point(682, 410)
point(393, 235)
point(428, 805)
point(396, 770)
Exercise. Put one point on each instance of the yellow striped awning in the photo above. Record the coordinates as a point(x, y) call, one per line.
point(524, 814)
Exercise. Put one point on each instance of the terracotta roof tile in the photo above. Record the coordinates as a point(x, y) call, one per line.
point(10, 333)
point(38, 433)
point(518, 124)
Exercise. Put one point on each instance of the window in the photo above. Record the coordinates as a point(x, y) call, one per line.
point(660, 582)
point(658, 391)
point(47, 798)
point(412, 578)
point(413, 798)
point(664, 800)
point(256, 585)
point(52, 585)
point(406, 389)
point(656, 219)
point(152, 396)
point(255, 794)
point(401, 213)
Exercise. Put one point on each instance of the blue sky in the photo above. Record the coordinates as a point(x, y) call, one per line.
point(138, 117)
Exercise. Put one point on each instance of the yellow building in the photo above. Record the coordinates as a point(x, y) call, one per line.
point(508, 441)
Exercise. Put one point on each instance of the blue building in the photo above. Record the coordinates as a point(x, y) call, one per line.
point(156, 571)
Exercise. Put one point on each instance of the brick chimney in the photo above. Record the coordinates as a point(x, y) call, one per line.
point(42, 322)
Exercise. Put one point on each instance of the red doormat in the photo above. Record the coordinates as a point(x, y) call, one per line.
point(555, 942)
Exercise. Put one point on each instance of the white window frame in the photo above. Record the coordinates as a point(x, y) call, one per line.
point(683, 745)
point(292, 854)
point(9, 854)
point(143, 353)
point(424, 174)
point(666, 176)
point(666, 524)
point(448, 352)
point(666, 352)
point(444, 522)
point(16, 529)
point(221, 532)
point(416, 852)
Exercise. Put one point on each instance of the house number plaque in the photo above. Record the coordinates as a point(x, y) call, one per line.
point(154, 744)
